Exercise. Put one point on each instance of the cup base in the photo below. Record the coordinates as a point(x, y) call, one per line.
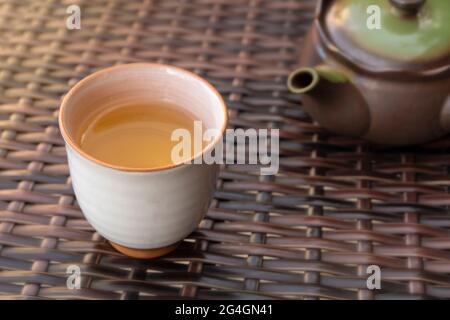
point(144, 253)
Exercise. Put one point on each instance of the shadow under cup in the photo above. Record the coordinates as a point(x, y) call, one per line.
point(144, 212)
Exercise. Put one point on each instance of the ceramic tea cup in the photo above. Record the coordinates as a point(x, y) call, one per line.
point(142, 212)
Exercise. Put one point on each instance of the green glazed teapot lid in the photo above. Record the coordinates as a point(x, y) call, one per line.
point(389, 34)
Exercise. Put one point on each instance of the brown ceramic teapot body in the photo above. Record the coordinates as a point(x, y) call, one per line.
point(383, 101)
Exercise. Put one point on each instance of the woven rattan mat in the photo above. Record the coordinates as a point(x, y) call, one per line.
point(335, 207)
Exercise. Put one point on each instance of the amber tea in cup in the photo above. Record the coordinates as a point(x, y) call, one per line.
point(136, 135)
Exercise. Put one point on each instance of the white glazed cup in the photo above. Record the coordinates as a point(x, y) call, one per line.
point(142, 212)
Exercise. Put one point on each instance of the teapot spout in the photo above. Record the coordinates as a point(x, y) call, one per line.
point(332, 99)
point(305, 80)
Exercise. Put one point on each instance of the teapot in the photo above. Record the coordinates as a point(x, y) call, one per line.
point(378, 69)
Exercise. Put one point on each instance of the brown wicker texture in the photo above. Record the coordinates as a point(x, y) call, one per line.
point(336, 206)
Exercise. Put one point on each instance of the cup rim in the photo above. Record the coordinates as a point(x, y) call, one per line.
point(68, 139)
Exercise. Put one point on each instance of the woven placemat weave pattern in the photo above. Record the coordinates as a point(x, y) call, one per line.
point(336, 206)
